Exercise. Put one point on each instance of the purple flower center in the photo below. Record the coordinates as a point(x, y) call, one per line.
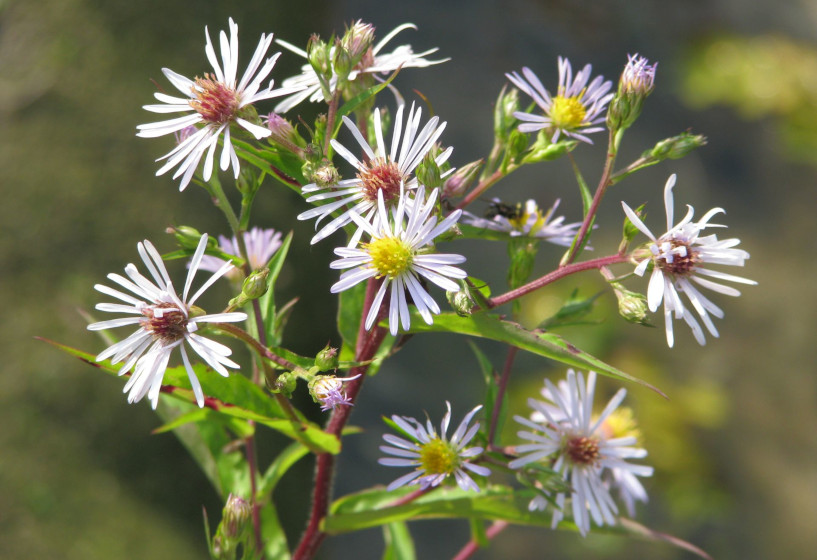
point(214, 101)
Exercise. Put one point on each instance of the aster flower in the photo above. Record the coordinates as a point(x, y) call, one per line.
point(383, 172)
point(574, 441)
point(680, 260)
point(261, 244)
point(398, 253)
point(638, 76)
point(528, 222)
point(575, 109)
point(434, 457)
point(375, 62)
point(166, 321)
point(328, 390)
point(216, 100)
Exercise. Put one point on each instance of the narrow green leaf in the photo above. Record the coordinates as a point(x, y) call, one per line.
point(349, 107)
point(399, 544)
point(544, 344)
point(267, 301)
point(234, 396)
point(289, 456)
point(270, 161)
point(275, 540)
point(488, 375)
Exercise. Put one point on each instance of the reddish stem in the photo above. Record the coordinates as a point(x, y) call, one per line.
point(367, 344)
point(483, 186)
point(565, 270)
point(472, 546)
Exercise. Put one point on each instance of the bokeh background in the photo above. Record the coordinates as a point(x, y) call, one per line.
point(735, 451)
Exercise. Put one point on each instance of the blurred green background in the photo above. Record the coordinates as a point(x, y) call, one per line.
point(734, 449)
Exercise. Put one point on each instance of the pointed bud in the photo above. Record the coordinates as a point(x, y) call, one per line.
point(235, 517)
point(636, 83)
point(255, 285)
point(504, 122)
point(428, 172)
point(462, 179)
point(356, 43)
point(327, 359)
point(461, 301)
point(632, 306)
point(189, 237)
point(675, 147)
point(517, 146)
point(284, 134)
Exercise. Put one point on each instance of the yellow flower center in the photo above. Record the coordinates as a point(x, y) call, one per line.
point(621, 423)
point(567, 112)
point(439, 457)
point(214, 101)
point(391, 256)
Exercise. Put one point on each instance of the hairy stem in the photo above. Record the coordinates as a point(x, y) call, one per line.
point(483, 186)
point(472, 546)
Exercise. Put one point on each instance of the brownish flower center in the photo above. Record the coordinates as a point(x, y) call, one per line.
point(381, 175)
point(582, 450)
point(165, 322)
point(681, 264)
point(214, 101)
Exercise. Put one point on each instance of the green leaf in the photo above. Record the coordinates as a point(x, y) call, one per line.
point(267, 301)
point(289, 456)
point(275, 540)
point(544, 344)
point(234, 396)
point(241, 428)
point(478, 533)
point(350, 106)
point(272, 162)
point(399, 544)
point(489, 376)
point(571, 312)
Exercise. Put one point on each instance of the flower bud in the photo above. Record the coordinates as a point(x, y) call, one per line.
point(636, 83)
point(544, 150)
point(326, 175)
point(285, 383)
point(255, 285)
point(506, 104)
point(235, 518)
point(327, 359)
point(188, 237)
point(675, 147)
point(462, 179)
point(517, 145)
point(283, 133)
point(428, 172)
point(317, 53)
point(632, 306)
point(461, 301)
point(357, 43)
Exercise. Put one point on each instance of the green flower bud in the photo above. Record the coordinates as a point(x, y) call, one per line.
point(356, 45)
point(544, 150)
point(504, 122)
point(285, 383)
point(188, 237)
point(428, 172)
point(675, 147)
point(632, 306)
point(326, 175)
point(636, 83)
point(342, 61)
point(461, 301)
point(235, 518)
point(517, 145)
point(284, 134)
point(327, 359)
point(255, 285)
point(318, 55)
point(462, 179)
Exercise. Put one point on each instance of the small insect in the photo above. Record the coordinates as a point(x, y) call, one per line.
point(499, 208)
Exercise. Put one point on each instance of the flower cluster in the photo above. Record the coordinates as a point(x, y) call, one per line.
point(567, 437)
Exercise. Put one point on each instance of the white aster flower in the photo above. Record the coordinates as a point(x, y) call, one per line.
point(216, 100)
point(680, 260)
point(374, 63)
point(261, 244)
point(382, 172)
point(638, 76)
point(328, 391)
point(528, 222)
point(166, 321)
point(575, 109)
point(398, 253)
point(434, 457)
point(578, 447)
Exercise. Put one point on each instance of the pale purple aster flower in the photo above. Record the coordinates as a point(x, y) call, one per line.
point(680, 260)
point(328, 391)
point(398, 253)
point(529, 222)
point(382, 172)
point(638, 76)
point(433, 456)
point(216, 100)
point(261, 244)
point(166, 321)
point(573, 442)
point(376, 63)
point(576, 108)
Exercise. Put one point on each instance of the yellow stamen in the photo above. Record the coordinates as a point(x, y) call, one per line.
point(567, 112)
point(438, 457)
point(391, 256)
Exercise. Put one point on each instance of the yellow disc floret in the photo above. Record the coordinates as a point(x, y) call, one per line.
point(567, 112)
point(438, 457)
point(391, 256)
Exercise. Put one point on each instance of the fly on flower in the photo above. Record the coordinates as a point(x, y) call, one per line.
point(573, 442)
point(680, 261)
point(529, 221)
point(217, 100)
point(382, 172)
point(434, 456)
point(165, 320)
point(397, 253)
point(576, 108)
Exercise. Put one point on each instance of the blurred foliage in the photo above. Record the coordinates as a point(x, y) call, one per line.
point(764, 76)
